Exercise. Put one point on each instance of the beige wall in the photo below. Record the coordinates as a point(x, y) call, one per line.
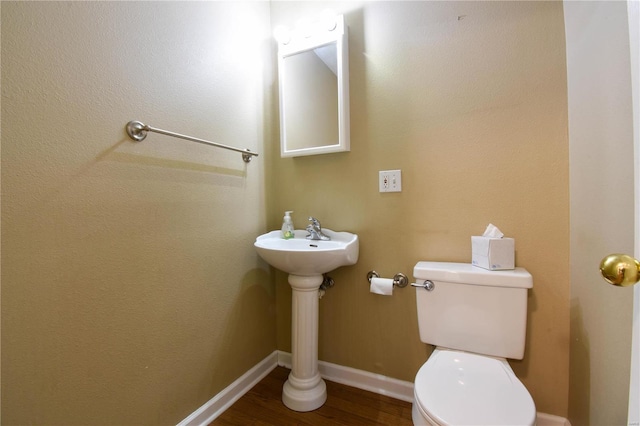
point(602, 221)
point(469, 100)
point(131, 293)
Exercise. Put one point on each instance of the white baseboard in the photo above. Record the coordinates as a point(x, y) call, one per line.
point(225, 399)
point(360, 379)
point(377, 383)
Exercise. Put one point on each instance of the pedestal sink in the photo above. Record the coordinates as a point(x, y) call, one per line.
point(305, 261)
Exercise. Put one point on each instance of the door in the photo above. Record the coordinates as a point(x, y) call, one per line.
point(601, 43)
point(633, 8)
point(633, 419)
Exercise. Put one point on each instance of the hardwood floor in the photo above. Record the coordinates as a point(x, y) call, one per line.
point(262, 406)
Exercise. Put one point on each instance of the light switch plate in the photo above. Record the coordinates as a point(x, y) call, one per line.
point(390, 180)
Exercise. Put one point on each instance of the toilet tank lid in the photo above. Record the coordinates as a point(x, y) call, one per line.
point(468, 274)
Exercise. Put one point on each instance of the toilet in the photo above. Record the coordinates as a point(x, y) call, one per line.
point(475, 318)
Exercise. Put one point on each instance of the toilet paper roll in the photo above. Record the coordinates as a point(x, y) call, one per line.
point(383, 286)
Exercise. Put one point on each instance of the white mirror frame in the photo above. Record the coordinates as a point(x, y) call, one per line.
point(299, 44)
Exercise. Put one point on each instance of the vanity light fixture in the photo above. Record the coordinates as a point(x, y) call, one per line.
point(306, 28)
point(328, 19)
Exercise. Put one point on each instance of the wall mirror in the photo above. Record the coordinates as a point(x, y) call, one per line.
point(313, 71)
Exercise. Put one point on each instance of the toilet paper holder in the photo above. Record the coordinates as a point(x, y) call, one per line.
point(399, 280)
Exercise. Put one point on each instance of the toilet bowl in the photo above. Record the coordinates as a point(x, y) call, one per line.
point(476, 319)
point(461, 388)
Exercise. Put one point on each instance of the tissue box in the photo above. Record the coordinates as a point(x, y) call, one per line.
point(494, 254)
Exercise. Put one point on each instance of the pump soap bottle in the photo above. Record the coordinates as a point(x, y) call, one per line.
point(287, 226)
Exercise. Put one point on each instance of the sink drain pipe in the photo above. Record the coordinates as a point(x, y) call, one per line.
point(327, 282)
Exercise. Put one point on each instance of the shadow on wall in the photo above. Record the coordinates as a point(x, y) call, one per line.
point(579, 404)
point(160, 152)
point(521, 367)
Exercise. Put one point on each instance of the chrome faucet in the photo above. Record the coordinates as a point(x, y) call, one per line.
point(315, 230)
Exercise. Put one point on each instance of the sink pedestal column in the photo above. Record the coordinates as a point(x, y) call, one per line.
point(304, 390)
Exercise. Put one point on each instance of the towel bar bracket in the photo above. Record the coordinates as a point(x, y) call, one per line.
point(136, 131)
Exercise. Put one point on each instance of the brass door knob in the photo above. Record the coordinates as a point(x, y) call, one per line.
point(620, 269)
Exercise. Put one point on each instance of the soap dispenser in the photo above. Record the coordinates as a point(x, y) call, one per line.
point(287, 226)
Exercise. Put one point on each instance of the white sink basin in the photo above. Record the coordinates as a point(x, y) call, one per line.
point(299, 256)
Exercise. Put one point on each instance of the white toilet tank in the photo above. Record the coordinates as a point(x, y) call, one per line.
point(473, 309)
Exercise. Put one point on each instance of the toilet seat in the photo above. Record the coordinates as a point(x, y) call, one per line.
point(461, 388)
